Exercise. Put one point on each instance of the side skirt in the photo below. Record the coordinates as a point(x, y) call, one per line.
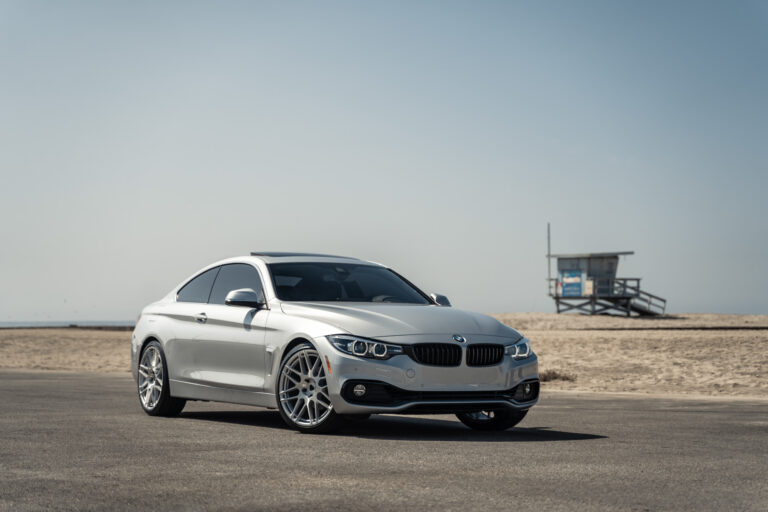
point(190, 391)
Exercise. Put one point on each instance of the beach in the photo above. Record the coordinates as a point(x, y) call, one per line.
point(686, 354)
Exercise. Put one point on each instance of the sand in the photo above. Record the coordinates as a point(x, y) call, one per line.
point(714, 355)
point(65, 349)
point(552, 321)
point(699, 354)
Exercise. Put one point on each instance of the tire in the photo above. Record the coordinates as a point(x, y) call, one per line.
point(497, 419)
point(302, 392)
point(153, 370)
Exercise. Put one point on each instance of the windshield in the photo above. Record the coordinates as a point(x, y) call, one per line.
point(343, 282)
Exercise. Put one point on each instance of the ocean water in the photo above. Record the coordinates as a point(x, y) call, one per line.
point(73, 323)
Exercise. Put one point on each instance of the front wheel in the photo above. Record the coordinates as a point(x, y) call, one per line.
point(497, 419)
point(302, 392)
point(154, 395)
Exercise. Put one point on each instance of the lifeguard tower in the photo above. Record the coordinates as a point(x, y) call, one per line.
point(587, 283)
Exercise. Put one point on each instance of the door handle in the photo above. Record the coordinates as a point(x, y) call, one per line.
point(202, 318)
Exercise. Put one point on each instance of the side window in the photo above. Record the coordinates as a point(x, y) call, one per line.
point(235, 277)
point(198, 289)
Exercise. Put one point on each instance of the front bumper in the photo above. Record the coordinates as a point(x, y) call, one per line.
point(416, 388)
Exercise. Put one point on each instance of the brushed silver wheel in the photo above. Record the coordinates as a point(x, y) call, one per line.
point(151, 377)
point(153, 383)
point(303, 389)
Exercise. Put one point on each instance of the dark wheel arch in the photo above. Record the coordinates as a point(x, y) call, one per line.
point(292, 344)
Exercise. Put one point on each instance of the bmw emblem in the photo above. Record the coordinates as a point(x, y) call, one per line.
point(459, 338)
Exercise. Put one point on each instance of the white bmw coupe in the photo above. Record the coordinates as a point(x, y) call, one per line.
point(324, 339)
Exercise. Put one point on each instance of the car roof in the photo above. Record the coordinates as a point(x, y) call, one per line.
point(303, 257)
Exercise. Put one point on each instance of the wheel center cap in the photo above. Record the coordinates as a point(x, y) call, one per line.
point(308, 386)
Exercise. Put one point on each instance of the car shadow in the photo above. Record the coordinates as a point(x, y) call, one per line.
point(405, 428)
point(268, 419)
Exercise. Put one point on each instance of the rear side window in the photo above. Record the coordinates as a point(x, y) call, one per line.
point(198, 289)
point(235, 277)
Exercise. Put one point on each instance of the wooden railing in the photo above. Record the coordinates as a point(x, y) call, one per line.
point(617, 287)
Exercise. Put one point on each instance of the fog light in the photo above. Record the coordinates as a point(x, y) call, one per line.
point(359, 390)
point(527, 389)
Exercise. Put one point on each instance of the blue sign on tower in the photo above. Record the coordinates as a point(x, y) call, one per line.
point(571, 283)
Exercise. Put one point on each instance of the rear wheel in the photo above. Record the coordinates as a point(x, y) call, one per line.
point(496, 419)
point(302, 392)
point(154, 395)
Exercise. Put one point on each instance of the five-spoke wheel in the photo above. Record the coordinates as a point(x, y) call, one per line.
point(150, 377)
point(152, 382)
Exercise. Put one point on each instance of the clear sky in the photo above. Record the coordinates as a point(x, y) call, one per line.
point(140, 141)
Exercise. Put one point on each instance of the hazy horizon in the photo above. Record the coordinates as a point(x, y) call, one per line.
point(142, 141)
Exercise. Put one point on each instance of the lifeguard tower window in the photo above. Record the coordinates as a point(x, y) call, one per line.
point(587, 283)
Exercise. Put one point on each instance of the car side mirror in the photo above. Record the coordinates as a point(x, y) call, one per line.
point(245, 297)
point(440, 300)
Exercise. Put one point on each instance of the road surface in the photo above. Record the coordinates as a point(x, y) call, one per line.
point(81, 441)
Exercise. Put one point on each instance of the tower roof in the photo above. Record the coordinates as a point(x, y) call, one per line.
point(592, 254)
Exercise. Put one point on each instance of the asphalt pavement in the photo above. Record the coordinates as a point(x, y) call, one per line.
point(81, 442)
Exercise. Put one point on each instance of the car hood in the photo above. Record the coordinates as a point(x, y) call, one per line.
point(386, 320)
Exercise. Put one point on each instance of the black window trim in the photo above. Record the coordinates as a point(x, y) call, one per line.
point(430, 300)
point(217, 268)
point(258, 272)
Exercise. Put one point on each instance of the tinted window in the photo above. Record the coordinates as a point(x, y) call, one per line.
point(345, 282)
point(198, 289)
point(235, 277)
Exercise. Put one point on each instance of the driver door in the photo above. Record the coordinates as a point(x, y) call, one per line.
point(230, 347)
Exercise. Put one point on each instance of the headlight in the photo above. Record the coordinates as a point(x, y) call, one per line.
point(362, 347)
point(520, 350)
